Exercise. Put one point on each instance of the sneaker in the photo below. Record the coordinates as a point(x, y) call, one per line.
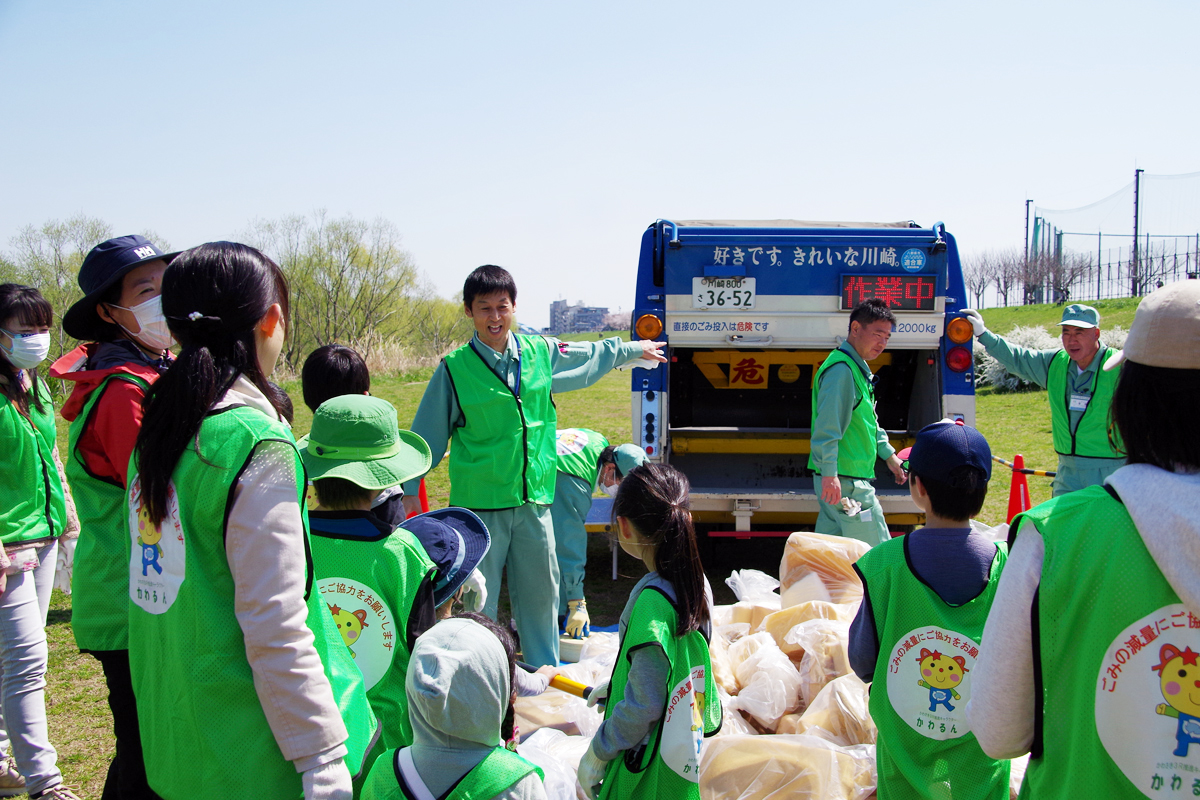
point(60, 792)
point(11, 781)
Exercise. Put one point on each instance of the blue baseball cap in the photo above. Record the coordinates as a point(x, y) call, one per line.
point(1080, 316)
point(455, 540)
point(944, 446)
point(104, 265)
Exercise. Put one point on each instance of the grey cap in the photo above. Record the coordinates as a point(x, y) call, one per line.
point(1166, 329)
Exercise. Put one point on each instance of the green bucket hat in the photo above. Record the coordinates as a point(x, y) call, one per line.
point(355, 437)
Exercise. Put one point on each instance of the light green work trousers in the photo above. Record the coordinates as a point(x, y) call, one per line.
point(572, 502)
point(1078, 472)
point(523, 542)
point(866, 526)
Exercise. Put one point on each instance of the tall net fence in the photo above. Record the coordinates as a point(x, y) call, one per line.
point(1091, 252)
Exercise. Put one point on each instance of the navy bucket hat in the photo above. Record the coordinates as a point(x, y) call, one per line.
point(103, 266)
point(455, 540)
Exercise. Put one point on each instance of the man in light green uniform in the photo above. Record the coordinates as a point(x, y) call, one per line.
point(1080, 394)
point(586, 461)
point(492, 397)
point(846, 437)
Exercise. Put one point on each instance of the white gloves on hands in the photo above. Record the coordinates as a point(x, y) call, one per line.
point(329, 781)
point(976, 319)
point(599, 694)
point(578, 622)
point(474, 592)
point(65, 563)
point(591, 775)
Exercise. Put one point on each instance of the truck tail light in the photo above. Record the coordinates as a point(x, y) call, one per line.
point(959, 330)
point(958, 359)
point(649, 326)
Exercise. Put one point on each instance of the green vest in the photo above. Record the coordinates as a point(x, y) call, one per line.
point(203, 729)
point(491, 776)
point(1090, 437)
point(1117, 713)
point(857, 449)
point(579, 452)
point(100, 578)
point(927, 651)
point(667, 764)
point(503, 457)
point(367, 585)
point(32, 505)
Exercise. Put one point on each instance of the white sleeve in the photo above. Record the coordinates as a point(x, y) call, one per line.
point(264, 544)
point(1001, 708)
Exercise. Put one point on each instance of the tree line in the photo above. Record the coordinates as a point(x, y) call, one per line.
point(350, 281)
point(1044, 278)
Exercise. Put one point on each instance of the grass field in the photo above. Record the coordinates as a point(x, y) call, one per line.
point(1118, 311)
point(76, 696)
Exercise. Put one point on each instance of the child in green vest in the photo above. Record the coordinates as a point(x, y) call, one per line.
point(490, 401)
point(926, 597)
point(381, 583)
point(333, 370)
point(586, 461)
point(125, 340)
point(646, 746)
point(460, 686)
point(1092, 657)
point(244, 685)
point(33, 515)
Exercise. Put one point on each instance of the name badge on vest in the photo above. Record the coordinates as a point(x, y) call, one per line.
point(1079, 402)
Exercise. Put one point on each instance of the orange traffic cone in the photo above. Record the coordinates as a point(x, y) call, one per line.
point(423, 497)
point(1018, 495)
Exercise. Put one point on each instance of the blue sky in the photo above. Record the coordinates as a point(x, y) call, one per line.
point(546, 136)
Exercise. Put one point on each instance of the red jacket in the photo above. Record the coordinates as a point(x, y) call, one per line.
point(109, 436)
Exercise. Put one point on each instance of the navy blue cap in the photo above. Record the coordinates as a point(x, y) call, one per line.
point(456, 540)
point(945, 445)
point(103, 266)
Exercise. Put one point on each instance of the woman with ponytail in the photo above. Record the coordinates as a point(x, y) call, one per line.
point(244, 686)
point(33, 515)
point(661, 699)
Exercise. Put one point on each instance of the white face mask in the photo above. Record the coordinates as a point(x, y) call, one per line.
point(154, 332)
point(611, 491)
point(28, 349)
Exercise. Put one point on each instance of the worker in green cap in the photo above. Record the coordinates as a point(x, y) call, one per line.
point(586, 461)
point(1080, 394)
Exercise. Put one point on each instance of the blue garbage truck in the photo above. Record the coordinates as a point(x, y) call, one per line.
point(749, 310)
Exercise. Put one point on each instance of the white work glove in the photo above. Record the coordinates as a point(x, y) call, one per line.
point(977, 326)
point(578, 622)
point(591, 775)
point(329, 781)
point(65, 563)
point(851, 507)
point(599, 694)
point(474, 593)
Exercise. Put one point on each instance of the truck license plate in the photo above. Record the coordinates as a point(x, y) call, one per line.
point(730, 293)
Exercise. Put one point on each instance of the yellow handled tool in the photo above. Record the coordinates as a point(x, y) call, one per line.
point(562, 682)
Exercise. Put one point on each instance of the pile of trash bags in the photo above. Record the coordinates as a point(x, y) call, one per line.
point(796, 720)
